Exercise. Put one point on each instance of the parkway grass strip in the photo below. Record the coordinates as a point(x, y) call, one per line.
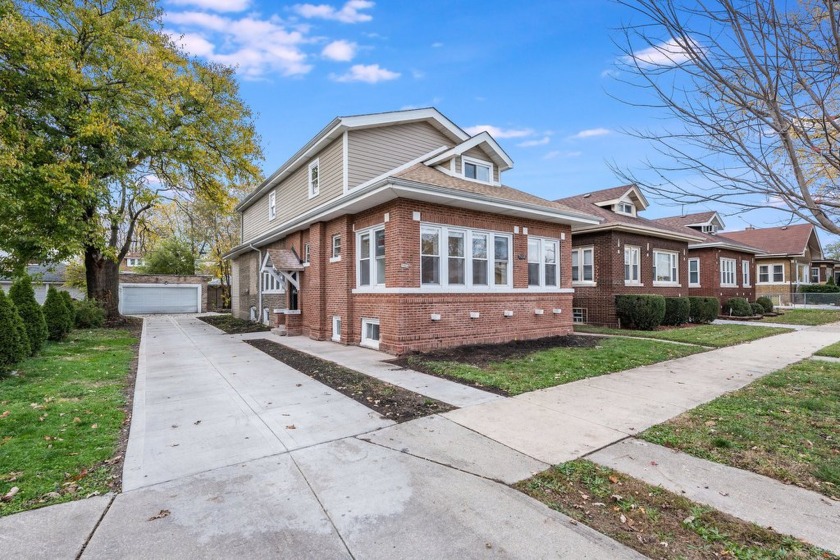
point(392, 402)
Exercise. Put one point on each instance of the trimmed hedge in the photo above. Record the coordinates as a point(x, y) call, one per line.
point(738, 307)
point(677, 311)
point(644, 312)
point(56, 314)
point(757, 309)
point(30, 311)
point(89, 314)
point(14, 343)
point(818, 289)
point(703, 309)
point(71, 309)
point(765, 303)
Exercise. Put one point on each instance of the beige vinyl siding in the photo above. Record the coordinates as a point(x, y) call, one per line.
point(375, 151)
point(293, 193)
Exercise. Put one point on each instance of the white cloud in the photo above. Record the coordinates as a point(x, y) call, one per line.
point(669, 53)
point(418, 74)
point(368, 73)
point(610, 73)
point(590, 133)
point(349, 13)
point(531, 143)
point(437, 45)
point(215, 5)
point(497, 132)
point(341, 51)
point(554, 154)
point(255, 46)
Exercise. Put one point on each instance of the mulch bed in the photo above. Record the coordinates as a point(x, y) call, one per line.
point(232, 325)
point(392, 402)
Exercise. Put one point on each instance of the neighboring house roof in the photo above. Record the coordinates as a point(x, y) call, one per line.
point(339, 125)
point(46, 274)
point(608, 197)
point(590, 203)
point(689, 221)
point(790, 240)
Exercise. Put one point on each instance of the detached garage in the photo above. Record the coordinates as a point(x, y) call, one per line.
point(158, 294)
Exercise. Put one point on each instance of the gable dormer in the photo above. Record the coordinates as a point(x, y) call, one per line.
point(710, 223)
point(478, 159)
point(628, 203)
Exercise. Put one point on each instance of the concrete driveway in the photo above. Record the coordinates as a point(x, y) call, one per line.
point(232, 453)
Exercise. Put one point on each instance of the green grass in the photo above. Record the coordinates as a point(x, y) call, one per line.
point(805, 317)
point(653, 521)
point(547, 368)
point(705, 335)
point(832, 351)
point(784, 426)
point(60, 419)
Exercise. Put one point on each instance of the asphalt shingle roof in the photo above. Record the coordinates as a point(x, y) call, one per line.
point(784, 240)
point(699, 218)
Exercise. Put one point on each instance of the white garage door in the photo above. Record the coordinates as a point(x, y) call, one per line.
point(141, 299)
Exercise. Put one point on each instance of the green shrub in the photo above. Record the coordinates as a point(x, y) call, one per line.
point(738, 307)
point(757, 309)
point(89, 314)
point(677, 311)
point(830, 281)
point(14, 344)
point(703, 309)
point(766, 303)
point(56, 314)
point(67, 299)
point(818, 289)
point(644, 312)
point(29, 310)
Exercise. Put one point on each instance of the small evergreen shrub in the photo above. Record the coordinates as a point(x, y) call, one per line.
point(89, 314)
point(757, 309)
point(765, 303)
point(644, 312)
point(56, 314)
point(12, 335)
point(703, 309)
point(30, 311)
point(677, 311)
point(830, 281)
point(738, 307)
point(71, 309)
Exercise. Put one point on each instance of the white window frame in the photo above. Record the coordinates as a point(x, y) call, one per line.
point(443, 258)
point(369, 342)
point(771, 274)
point(690, 283)
point(637, 251)
point(745, 273)
point(579, 315)
point(709, 228)
point(270, 284)
point(370, 257)
point(580, 252)
point(817, 270)
point(674, 268)
point(314, 187)
point(336, 328)
point(542, 242)
point(626, 208)
point(335, 249)
point(478, 163)
point(803, 273)
point(728, 273)
point(306, 254)
point(272, 205)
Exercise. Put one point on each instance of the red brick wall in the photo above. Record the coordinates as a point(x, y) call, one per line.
point(710, 274)
point(608, 273)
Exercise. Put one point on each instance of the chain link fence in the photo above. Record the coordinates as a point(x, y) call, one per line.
point(806, 300)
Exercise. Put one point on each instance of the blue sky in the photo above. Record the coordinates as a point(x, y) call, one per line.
point(539, 75)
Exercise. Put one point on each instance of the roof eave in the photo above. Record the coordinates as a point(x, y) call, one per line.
point(637, 229)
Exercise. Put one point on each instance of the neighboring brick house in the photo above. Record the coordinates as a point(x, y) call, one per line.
point(394, 231)
point(717, 266)
point(785, 260)
point(623, 254)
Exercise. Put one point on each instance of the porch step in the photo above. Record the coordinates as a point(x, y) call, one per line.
point(279, 331)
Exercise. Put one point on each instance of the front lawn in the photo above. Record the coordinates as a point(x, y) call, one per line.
point(804, 317)
point(705, 335)
point(785, 426)
point(531, 370)
point(832, 351)
point(61, 418)
point(653, 521)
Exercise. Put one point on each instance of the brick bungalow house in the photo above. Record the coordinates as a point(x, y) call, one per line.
point(394, 231)
point(785, 259)
point(623, 254)
point(717, 266)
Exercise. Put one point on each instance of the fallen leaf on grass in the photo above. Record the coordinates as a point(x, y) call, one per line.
point(10, 494)
point(613, 479)
point(6, 413)
point(163, 513)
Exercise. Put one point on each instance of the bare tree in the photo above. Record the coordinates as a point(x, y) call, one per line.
point(754, 89)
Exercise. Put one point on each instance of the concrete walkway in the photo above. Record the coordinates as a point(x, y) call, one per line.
point(760, 324)
point(787, 509)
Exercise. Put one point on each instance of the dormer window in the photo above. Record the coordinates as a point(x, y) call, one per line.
point(625, 208)
point(710, 228)
point(477, 170)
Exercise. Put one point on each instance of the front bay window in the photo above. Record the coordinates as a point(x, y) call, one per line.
point(542, 262)
point(665, 267)
point(451, 256)
point(370, 257)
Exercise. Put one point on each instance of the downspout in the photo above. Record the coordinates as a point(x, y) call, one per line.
point(259, 281)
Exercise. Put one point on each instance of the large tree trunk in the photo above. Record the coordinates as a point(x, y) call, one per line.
point(103, 282)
